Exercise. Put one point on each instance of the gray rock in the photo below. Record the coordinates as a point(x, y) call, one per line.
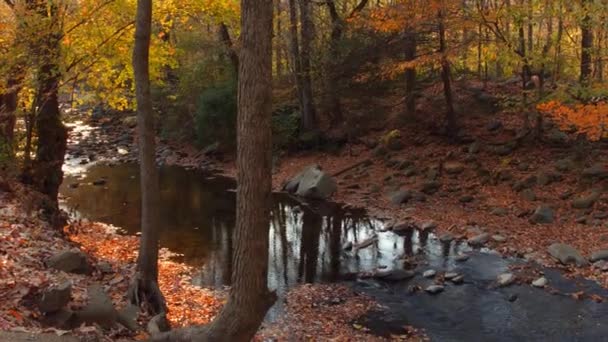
point(56, 297)
point(71, 261)
point(99, 309)
point(474, 147)
point(502, 150)
point(429, 273)
point(540, 282)
point(566, 254)
point(499, 238)
point(434, 289)
point(453, 167)
point(505, 279)
point(557, 137)
point(466, 199)
point(564, 165)
point(543, 215)
point(395, 275)
point(127, 316)
point(526, 183)
point(312, 183)
point(446, 237)
point(529, 195)
point(459, 279)
point(599, 255)
point(586, 201)
point(430, 187)
point(596, 171)
point(461, 258)
point(479, 240)
point(62, 319)
point(104, 267)
point(499, 211)
point(428, 225)
point(493, 125)
point(400, 197)
point(450, 275)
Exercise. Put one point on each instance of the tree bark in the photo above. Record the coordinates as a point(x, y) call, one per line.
point(410, 72)
point(144, 288)
point(452, 129)
point(309, 116)
point(46, 174)
point(295, 51)
point(249, 297)
point(8, 107)
point(586, 44)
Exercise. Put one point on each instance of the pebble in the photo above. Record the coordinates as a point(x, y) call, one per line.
point(505, 279)
point(434, 289)
point(540, 282)
point(429, 273)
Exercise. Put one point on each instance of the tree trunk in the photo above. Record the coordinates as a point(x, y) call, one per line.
point(586, 44)
point(8, 107)
point(309, 116)
point(410, 73)
point(295, 51)
point(46, 173)
point(144, 288)
point(278, 40)
point(452, 129)
point(333, 96)
point(249, 298)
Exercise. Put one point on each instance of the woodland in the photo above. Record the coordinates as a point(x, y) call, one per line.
point(270, 170)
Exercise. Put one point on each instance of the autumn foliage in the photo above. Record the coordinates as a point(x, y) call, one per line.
point(588, 119)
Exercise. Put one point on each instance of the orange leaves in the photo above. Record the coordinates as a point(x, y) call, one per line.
point(588, 119)
point(187, 303)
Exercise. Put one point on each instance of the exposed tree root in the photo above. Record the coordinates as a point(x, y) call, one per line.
point(147, 295)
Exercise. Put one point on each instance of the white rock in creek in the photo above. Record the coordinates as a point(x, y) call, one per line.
point(540, 282)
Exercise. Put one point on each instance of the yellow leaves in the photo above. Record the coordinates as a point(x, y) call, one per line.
point(589, 119)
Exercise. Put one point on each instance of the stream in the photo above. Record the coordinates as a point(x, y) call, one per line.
point(306, 245)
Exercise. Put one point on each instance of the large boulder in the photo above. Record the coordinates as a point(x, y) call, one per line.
point(55, 297)
point(71, 261)
point(566, 254)
point(99, 309)
point(313, 183)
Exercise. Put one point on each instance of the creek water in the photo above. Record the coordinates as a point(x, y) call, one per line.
point(306, 245)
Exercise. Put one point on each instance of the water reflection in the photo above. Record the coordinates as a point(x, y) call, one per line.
point(198, 218)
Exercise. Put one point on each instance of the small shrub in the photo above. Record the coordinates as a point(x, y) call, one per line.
point(285, 127)
point(216, 115)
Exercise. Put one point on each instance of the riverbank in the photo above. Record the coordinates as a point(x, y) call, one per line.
point(27, 276)
point(486, 185)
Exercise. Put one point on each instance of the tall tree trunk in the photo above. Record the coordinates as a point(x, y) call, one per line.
point(333, 96)
point(278, 41)
point(249, 297)
point(309, 116)
point(586, 44)
point(452, 129)
point(410, 73)
point(46, 173)
point(294, 46)
point(8, 108)
point(558, 43)
point(144, 288)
